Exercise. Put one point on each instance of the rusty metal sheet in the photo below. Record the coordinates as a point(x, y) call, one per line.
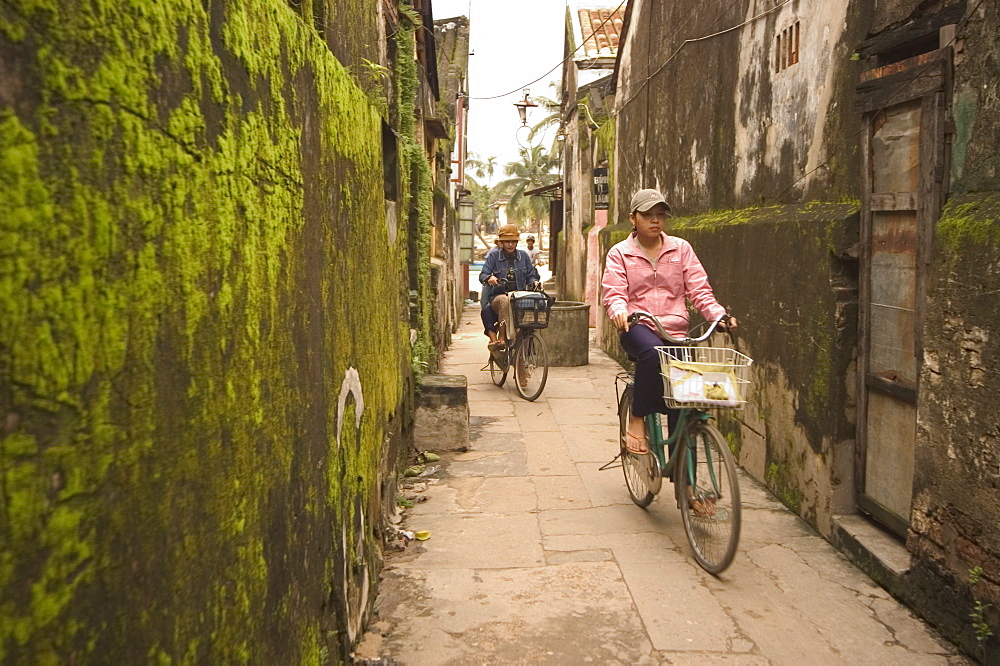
point(896, 149)
point(893, 296)
point(892, 431)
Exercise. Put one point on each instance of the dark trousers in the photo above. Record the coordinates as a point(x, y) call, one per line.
point(639, 342)
point(490, 319)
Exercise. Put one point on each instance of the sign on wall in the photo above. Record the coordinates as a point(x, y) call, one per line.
point(601, 189)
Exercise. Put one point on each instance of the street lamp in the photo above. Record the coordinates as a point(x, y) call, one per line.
point(522, 108)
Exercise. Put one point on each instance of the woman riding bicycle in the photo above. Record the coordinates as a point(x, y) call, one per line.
point(654, 272)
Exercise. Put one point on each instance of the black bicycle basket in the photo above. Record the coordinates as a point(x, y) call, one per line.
point(531, 310)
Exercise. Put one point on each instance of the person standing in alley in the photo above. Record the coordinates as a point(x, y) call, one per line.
point(532, 251)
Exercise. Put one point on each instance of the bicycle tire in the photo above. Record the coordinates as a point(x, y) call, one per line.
point(712, 524)
point(642, 473)
point(498, 372)
point(531, 366)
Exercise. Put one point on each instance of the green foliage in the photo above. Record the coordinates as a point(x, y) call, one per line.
point(969, 218)
point(418, 197)
point(776, 481)
point(979, 609)
point(534, 170)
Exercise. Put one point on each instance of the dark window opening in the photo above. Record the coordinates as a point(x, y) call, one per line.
point(909, 49)
point(786, 47)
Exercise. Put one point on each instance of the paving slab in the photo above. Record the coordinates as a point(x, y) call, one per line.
point(463, 541)
point(561, 492)
point(517, 616)
point(537, 556)
point(548, 455)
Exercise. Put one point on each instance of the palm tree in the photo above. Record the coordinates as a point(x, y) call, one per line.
point(482, 168)
point(534, 170)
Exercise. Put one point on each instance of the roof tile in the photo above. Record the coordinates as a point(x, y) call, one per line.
point(601, 30)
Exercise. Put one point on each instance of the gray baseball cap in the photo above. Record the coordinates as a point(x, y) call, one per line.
point(643, 200)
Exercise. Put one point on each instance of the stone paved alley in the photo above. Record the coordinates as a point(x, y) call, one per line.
point(536, 556)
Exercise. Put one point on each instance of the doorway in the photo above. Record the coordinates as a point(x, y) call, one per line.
point(904, 172)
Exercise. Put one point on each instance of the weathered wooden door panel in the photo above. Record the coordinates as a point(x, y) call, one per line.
point(892, 430)
point(892, 352)
point(900, 204)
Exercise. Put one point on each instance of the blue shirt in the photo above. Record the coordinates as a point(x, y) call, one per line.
point(497, 264)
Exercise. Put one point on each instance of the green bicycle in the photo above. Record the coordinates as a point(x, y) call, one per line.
point(706, 486)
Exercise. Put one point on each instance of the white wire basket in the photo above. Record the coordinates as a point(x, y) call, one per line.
point(704, 377)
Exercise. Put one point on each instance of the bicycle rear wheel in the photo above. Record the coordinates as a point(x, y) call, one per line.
point(531, 366)
point(709, 494)
point(642, 473)
point(498, 371)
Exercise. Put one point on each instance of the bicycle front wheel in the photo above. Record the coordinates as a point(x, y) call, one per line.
point(642, 472)
point(531, 366)
point(709, 493)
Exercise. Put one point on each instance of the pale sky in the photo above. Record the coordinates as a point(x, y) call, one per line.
point(514, 41)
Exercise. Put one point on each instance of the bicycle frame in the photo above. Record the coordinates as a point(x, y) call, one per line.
point(654, 425)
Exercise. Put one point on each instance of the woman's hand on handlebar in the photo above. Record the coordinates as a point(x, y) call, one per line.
point(728, 324)
point(621, 321)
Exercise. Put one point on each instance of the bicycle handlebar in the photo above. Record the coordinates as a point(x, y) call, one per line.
point(641, 314)
point(532, 286)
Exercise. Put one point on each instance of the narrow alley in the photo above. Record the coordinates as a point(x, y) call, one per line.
point(538, 556)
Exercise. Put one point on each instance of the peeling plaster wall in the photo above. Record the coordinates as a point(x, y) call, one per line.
point(775, 156)
point(781, 124)
point(201, 400)
point(955, 519)
point(719, 130)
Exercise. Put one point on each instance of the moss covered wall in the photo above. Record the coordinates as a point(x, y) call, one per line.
point(203, 363)
point(955, 521)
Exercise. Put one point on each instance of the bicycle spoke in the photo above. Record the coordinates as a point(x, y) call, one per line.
point(642, 472)
point(710, 499)
point(531, 366)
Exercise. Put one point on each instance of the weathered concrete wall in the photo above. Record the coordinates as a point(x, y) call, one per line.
point(798, 320)
point(955, 524)
point(717, 126)
point(452, 39)
point(725, 130)
point(204, 359)
point(956, 518)
point(760, 136)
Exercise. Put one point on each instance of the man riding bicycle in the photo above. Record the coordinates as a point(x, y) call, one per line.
point(657, 273)
point(508, 269)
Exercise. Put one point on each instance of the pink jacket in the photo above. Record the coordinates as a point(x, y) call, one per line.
point(631, 282)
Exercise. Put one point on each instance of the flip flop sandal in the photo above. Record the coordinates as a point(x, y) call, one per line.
point(632, 443)
point(702, 509)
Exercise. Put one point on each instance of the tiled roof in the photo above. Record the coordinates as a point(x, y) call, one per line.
point(598, 39)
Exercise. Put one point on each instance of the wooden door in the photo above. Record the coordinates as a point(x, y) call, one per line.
point(904, 182)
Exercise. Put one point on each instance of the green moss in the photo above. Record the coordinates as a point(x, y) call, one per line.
point(969, 218)
point(179, 298)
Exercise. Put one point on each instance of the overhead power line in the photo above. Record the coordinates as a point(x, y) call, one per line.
point(558, 64)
